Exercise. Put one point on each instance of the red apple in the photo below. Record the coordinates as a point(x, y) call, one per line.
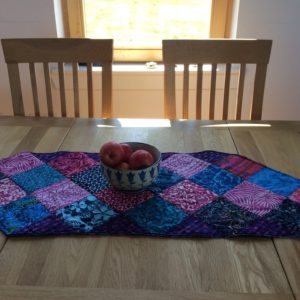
point(111, 154)
point(140, 159)
point(127, 151)
point(123, 166)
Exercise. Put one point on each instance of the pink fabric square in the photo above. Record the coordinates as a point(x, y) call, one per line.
point(121, 201)
point(18, 163)
point(295, 196)
point(72, 163)
point(9, 191)
point(189, 196)
point(184, 165)
point(60, 194)
point(254, 198)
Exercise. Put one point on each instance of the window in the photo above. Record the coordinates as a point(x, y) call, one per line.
point(138, 27)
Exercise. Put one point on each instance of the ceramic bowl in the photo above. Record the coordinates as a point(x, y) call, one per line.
point(134, 180)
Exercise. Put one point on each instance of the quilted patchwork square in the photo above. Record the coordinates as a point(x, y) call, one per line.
point(217, 180)
point(254, 198)
point(86, 214)
point(188, 196)
point(46, 157)
point(9, 191)
point(21, 213)
point(164, 180)
point(2, 176)
point(227, 218)
point(156, 215)
point(184, 164)
point(19, 163)
point(295, 196)
point(121, 201)
point(91, 180)
point(60, 194)
point(37, 178)
point(239, 166)
point(210, 156)
point(72, 163)
point(275, 181)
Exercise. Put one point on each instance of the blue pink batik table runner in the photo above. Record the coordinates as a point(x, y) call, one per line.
point(205, 194)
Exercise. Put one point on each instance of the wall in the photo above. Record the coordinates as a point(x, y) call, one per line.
point(18, 19)
point(278, 20)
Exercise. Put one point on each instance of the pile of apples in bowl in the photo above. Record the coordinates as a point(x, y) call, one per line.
point(130, 166)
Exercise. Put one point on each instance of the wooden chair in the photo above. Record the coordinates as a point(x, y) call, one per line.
point(215, 52)
point(60, 51)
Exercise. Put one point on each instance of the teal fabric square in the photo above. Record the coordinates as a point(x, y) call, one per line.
point(37, 178)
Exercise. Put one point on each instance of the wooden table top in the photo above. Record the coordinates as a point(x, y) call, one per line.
point(95, 267)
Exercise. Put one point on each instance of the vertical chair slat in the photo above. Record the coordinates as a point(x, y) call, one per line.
point(212, 91)
point(226, 91)
point(259, 86)
point(169, 91)
point(199, 91)
point(15, 87)
point(34, 89)
point(90, 90)
point(48, 89)
point(62, 89)
point(107, 92)
point(185, 94)
point(75, 88)
point(240, 91)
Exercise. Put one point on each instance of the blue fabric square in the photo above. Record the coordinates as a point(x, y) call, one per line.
point(216, 179)
point(156, 215)
point(275, 181)
point(225, 217)
point(86, 214)
point(91, 180)
point(21, 213)
point(46, 157)
point(2, 176)
point(37, 178)
point(165, 179)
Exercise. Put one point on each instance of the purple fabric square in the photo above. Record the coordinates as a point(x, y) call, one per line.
point(60, 194)
point(295, 196)
point(254, 198)
point(239, 166)
point(9, 191)
point(72, 163)
point(184, 164)
point(121, 201)
point(188, 196)
point(19, 163)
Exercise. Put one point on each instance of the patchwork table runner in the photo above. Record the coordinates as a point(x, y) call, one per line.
point(205, 194)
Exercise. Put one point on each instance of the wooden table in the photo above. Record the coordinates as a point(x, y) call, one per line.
point(92, 267)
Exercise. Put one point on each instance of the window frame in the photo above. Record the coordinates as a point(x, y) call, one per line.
point(73, 21)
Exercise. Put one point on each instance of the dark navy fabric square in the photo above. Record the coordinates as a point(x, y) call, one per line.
point(46, 157)
point(91, 180)
point(86, 214)
point(165, 179)
point(216, 179)
point(210, 156)
point(37, 178)
point(94, 156)
point(156, 215)
point(21, 213)
point(2, 176)
point(225, 217)
point(275, 181)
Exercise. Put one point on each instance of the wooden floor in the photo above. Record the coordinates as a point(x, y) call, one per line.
point(152, 268)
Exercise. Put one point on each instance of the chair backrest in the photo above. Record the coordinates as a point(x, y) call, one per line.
point(61, 51)
point(214, 52)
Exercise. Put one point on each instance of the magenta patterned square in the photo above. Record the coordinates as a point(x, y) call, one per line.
point(72, 163)
point(9, 191)
point(188, 196)
point(239, 166)
point(185, 165)
point(295, 196)
point(60, 194)
point(121, 201)
point(254, 198)
point(19, 163)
